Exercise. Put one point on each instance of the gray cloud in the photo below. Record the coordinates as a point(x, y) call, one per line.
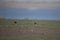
point(28, 0)
point(21, 3)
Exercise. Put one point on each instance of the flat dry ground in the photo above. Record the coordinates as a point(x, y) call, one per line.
point(24, 32)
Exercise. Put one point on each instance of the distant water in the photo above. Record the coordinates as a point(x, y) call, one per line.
point(30, 13)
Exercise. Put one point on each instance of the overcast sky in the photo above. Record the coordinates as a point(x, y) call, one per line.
point(30, 12)
point(29, 3)
point(27, 0)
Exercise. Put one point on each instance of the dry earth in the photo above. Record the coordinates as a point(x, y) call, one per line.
point(25, 30)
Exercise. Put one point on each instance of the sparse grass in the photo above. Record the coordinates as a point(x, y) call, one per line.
point(36, 37)
point(41, 23)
